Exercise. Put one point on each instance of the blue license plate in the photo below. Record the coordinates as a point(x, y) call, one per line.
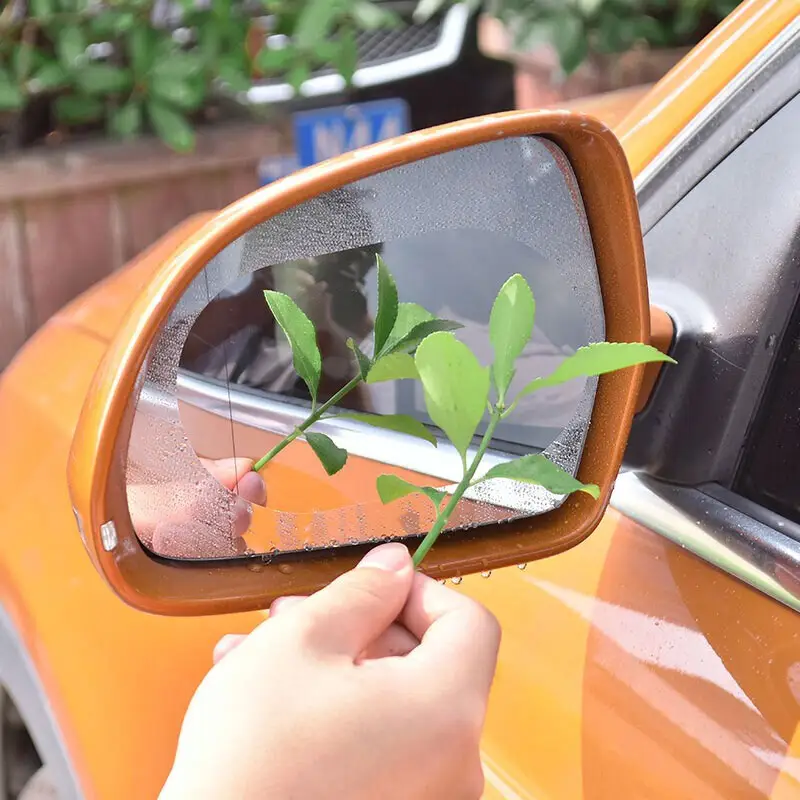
point(328, 132)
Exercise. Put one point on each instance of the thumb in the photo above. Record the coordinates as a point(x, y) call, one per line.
point(353, 611)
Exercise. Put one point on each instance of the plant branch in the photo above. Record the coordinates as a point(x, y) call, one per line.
point(303, 427)
point(447, 511)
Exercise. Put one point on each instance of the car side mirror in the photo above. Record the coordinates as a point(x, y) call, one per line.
point(202, 372)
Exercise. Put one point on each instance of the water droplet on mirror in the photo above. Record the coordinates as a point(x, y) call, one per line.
point(487, 573)
point(521, 566)
point(256, 566)
point(455, 581)
point(286, 569)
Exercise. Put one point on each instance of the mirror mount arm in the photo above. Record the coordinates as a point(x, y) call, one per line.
point(662, 336)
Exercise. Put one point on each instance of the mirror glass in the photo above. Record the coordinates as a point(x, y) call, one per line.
point(219, 388)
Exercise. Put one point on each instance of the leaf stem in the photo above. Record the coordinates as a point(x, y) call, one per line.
point(304, 426)
point(446, 512)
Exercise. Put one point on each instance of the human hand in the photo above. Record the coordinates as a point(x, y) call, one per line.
point(170, 527)
point(296, 709)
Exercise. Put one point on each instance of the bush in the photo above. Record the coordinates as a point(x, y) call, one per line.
point(134, 66)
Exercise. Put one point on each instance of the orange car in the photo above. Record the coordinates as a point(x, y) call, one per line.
point(658, 659)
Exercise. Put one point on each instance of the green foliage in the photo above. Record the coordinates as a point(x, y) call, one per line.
point(302, 336)
point(391, 488)
point(456, 387)
point(331, 456)
point(455, 384)
point(138, 66)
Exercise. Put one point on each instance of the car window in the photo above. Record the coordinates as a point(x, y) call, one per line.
point(769, 471)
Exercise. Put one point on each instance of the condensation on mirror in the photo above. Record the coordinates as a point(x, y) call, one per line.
point(219, 383)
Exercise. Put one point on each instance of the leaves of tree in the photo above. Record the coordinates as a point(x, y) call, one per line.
point(70, 45)
point(387, 306)
point(401, 423)
point(331, 456)
point(103, 79)
point(76, 109)
point(364, 364)
point(391, 488)
point(299, 330)
point(394, 367)
point(540, 471)
point(598, 359)
point(126, 121)
point(456, 387)
point(10, 95)
point(510, 329)
point(171, 126)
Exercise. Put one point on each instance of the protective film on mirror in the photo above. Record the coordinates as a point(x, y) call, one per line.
point(219, 389)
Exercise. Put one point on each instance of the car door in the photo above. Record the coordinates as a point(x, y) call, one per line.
point(660, 659)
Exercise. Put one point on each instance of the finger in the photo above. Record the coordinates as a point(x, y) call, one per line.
point(284, 603)
point(228, 471)
point(392, 643)
point(242, 515)
point(448, 623)
point(252, 488)
point(353, 611)
point(396, 641)
point(226, 644)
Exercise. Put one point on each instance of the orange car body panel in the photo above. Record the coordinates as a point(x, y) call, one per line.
point(629, 668)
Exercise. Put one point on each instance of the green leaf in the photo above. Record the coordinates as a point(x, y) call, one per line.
point(364, 364)
point(186, 95)
point(409, 315)
point(315, 23)
point(412, 339)
point(272, 59)
point(233, 71)
point(41, 9)
point(539, 470)
point(401, 423)
point(298, 74)
point(126, 122)
point(172, 127)
point(456, 387)
point(370, 16)
point(141, 49)
point(71, 45)
point(103, 79)
point(570, 42)
point(302, 337)
point(74, 109)
point(391, 488)
point(394, 367)
point(412, 325)
point(346, 56)
point(179, 66)
point(387, 306)
point(598, 359)
point(510, 329)
point(426, 9)
point(11, 97)
point(331, 456)
point(50, 76)
point(23, 62)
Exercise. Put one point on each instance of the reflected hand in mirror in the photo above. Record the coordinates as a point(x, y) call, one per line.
point(176, 530)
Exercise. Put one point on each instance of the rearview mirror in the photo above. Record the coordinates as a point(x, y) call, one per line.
point(202, 371)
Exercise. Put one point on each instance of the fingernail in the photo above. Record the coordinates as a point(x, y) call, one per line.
point(253, 488)
point(391, 557)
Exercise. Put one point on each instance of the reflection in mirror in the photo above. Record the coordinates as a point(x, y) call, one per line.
point(220, 389)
